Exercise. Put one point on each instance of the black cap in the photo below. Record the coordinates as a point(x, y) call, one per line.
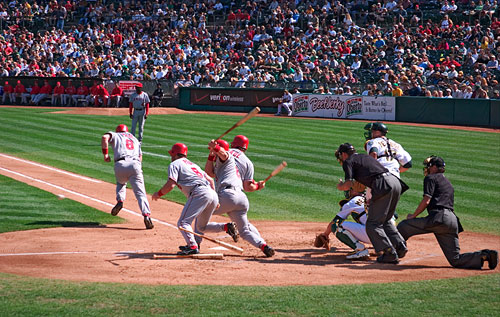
point(434, 161)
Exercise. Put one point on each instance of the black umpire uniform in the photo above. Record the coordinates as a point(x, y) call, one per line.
point(442, 221)
point(386, 190)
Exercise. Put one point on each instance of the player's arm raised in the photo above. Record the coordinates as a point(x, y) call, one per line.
point(209, 165)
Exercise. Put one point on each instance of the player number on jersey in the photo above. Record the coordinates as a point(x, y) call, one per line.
point(129, 144)
point(197, 172)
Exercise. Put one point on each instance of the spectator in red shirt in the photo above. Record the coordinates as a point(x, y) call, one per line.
point(231, 18)
point(20, 92)
point(117, 39)
point(8, 92)
point(57, 95)
point(116, 95)
point(102, 96)
point(68, 93)
point(81, 93)
point(45, 92)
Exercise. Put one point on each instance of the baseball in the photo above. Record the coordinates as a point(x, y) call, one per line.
point(60, 197)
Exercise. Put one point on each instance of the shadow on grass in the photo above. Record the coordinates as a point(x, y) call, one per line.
point(63, 223)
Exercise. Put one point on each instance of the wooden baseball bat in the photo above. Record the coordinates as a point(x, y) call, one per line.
point(247, 117)
point(276, 170)
point(201, 256)
point(222, 243)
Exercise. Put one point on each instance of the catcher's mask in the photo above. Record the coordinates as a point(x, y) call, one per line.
point(433, 161)
point(374, 126)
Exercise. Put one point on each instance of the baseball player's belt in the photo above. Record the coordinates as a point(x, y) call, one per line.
point(224, 187)
point(125, 158)
point(138, 109)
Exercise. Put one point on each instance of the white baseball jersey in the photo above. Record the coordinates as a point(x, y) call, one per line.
point(243, 163)
point(124, 145)
point(139, 101)
point(187, 175)
point(357, 206)
point(389, 153)
point(227, 174)
point(287, 97)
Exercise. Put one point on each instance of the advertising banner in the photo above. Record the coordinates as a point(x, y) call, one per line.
point(128, 86)
point(239, 97)
point(346, 107)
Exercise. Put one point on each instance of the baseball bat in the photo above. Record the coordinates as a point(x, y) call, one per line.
point(222, 243)
point(276, 170)
point(247, 117)
point(213, 256)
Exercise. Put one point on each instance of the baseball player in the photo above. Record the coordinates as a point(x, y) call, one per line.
point(139, 102)
point(352, 234)
point(8, 92)
point(286, 101)
point(199, 190)
point(442, 221)
point(21, 92)
point(388, 152)
point(58, 94)
point(237, 206)
point(82, 92)
point(128, 168)
point(221, 165)
point(68, 93)
point(386, 190)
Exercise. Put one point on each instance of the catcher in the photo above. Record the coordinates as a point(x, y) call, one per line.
point(352, 234)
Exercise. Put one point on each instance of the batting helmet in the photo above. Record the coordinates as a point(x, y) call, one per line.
point(375, 126)
point(121, 128)
point(240, 141)
point(223, 144)
point(178, 148)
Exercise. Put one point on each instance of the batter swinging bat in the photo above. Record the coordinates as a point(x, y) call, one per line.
point(222, 243)
point(249, 115)
point(276, 170)
point(214, 256)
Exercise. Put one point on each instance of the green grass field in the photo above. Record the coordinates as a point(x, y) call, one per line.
point(304, 191)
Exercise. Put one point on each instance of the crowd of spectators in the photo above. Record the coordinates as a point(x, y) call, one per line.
point(378, 47)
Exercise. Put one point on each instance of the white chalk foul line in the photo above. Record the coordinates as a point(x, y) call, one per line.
point(85, 196)
point(117, 253)
point(51, 168)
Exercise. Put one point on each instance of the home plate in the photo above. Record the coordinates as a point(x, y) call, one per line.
point(219, 248)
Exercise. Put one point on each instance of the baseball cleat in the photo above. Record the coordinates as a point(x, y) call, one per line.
point(268, 251)
point(188, 251)
point(116, 209)
point(359, 255)
point(389, 256)
point(148, 222)
point(232, 231)
point(492, 257)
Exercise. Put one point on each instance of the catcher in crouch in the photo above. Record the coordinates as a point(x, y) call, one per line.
point(352, 234)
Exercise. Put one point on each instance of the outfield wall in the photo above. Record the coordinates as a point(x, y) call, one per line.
point(467, 112)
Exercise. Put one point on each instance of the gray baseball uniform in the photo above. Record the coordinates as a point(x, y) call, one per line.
point(128, 167)
point(233, 201)
point(139, 102)
point(202, 199)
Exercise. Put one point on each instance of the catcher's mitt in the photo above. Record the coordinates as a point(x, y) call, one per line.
point(322, 241)
point(358, 187)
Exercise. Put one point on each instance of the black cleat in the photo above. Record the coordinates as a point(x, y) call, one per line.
point(116, 209)
point(389, 256)
point(268, 251)
point(188, 251)
point(492, 257)
point(148, 222)
point(232, 231)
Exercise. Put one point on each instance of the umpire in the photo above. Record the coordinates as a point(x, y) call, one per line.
point(442, 221)
point(386, 190)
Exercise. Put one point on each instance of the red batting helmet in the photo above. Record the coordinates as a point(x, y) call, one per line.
point(240, 141)
point(121, 128)
point(178, 148)
point(223, 144)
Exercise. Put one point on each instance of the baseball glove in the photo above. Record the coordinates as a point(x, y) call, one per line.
point(358, 187)
point(322, 241)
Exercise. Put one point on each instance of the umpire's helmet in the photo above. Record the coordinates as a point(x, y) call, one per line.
point(121, 128)
point(240, 141)
point(178, 148)
point(434, 161)
point(223, 144)
point(344, 148)
point(375, 126)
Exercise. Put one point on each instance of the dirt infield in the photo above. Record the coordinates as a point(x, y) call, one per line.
point(123, 253)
